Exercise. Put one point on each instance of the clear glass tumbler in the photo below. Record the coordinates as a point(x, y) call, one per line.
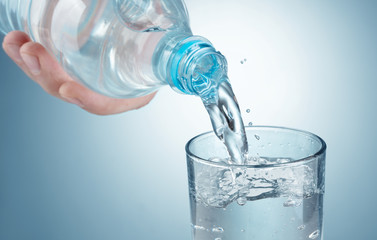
point(276, 195)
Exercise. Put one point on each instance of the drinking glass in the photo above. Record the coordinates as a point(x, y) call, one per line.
point(276, 195)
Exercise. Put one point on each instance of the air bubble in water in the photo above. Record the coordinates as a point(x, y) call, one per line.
point(241, 62)
point(248, 110)
point(301, 227)
point(282, 160)
point(154, 29)
point(257, 137)
point(250, 124)
point(217, 160)
point(241, 201)
point(292, 203)
point(262, 161)
point(242, 230)
point(314, 234)
point(245, 60)
point(218, 229)
point(217, 238)
point(251, 160)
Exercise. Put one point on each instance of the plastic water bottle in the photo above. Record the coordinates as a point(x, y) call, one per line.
point(120, 48)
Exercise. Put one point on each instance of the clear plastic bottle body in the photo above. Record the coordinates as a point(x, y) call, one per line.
point(119, 48)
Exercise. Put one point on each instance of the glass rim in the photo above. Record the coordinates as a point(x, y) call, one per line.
point(321, 151)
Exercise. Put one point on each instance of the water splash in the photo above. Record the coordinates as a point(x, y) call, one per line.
point(219, 187)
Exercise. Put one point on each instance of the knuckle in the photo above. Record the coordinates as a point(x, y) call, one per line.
point(31, 48)
point(16, 37)
point(52, 90)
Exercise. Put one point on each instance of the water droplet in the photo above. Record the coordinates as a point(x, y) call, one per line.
point(257, 137)
point(218, 229)
point(241, 62)
point(301, 227)
point(241, 201)
point(245, 60)
point(248, 110)
point(250, 124)
point(197, 227)
point(314, 234)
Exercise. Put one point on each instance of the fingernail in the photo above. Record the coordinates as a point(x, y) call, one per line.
point(13, 52)
point(32, 63)
point(74, 101)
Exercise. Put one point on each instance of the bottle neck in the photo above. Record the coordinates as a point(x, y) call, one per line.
point(197, 68)
point(193, 67)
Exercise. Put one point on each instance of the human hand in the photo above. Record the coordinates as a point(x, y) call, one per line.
point(40, 66)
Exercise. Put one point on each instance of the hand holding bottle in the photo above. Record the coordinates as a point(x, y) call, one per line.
point(118, 48)
point(40, 66)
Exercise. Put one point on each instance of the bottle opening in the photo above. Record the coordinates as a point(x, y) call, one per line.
point(196, 67)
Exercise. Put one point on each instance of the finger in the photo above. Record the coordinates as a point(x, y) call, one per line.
point(43, 68)
point(35, 61)
point(99, 104)
point(12, 43)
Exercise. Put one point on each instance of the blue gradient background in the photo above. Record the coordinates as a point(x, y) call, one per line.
point(312, 65)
